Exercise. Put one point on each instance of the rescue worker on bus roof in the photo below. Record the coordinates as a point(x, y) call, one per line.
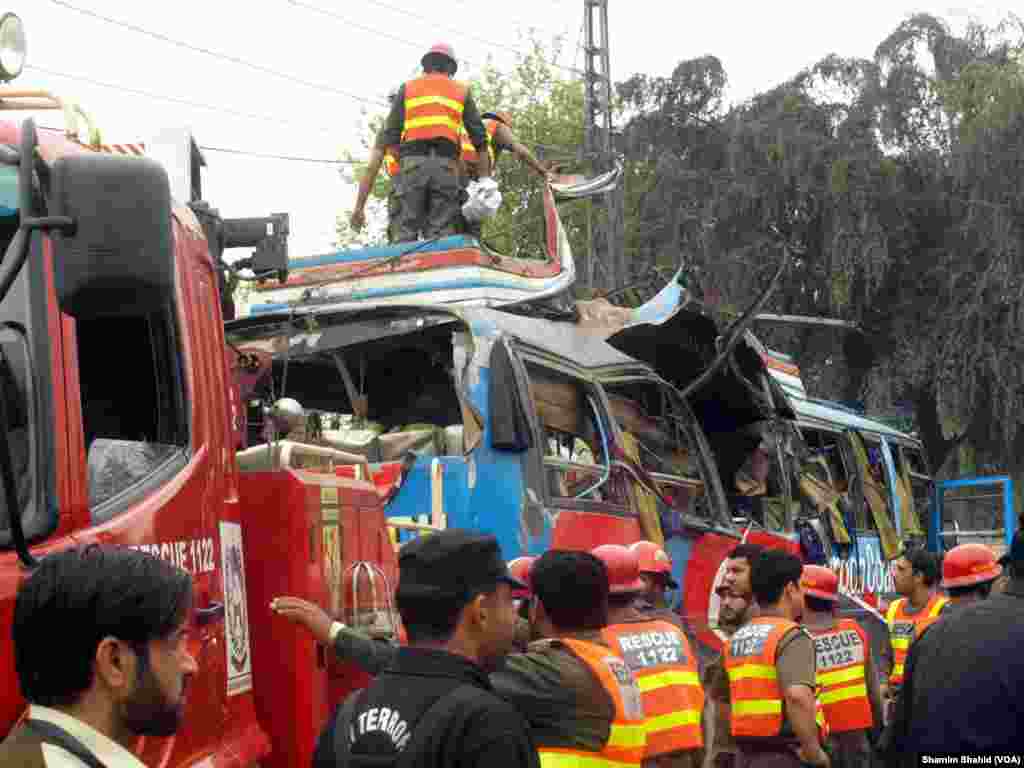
point(388, 158)
point(434, 700)
point(846, 670)
point(777, 718)
point(915, 575)
point(578, 696)
point(427, 117)
point(500, 137)
point(656, 574)
point(964, 677)
point(659, 656)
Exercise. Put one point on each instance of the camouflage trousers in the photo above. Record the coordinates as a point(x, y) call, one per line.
point(426, 198)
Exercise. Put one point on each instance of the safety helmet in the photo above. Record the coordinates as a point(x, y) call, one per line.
point(501, 117)
point(821, 582)
point(623, 568)
point(969, 564)
point(654, 559)
point(520, 569)
point(444, 50)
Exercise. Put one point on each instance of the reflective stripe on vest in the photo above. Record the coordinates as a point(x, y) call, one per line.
point(469, 153)
point(659, 656)
point(433, 108)
point(904, 628)
point(391, 162)
point(754, 682)
point(842, 655)
point(626, 741)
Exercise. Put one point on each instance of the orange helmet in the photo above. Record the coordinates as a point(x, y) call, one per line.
point(444, 50)
point(623, 568)
point(821, 582)
point(654, 559)
point(520, 569)
point(969, 564)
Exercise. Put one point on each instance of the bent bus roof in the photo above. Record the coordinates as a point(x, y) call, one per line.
point(563, 340)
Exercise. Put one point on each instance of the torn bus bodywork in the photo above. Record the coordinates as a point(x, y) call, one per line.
point(537, 431)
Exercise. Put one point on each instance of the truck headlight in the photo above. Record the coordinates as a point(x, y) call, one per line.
point(12, 46)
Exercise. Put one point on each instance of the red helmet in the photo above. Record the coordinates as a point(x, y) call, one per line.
point(520, 569)
point(969, 564)
point(654, 559)
point(445, 50)
point(821, 582)
point(623, 568)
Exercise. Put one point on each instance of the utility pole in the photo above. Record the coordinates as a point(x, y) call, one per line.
point(598, 139)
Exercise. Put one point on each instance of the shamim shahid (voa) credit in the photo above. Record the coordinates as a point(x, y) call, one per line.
point(1007, 759)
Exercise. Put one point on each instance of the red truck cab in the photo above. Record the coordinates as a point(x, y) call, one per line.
point(119, 410)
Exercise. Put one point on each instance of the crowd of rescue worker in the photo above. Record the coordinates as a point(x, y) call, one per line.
point(433, 145)
point(602, 674)
point(569, 660)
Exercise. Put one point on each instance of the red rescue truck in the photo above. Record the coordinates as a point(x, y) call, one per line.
point(118, 421)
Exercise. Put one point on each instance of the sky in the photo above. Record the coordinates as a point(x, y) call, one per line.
point(302, 67)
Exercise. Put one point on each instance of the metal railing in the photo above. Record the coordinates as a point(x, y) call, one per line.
point(938, 532)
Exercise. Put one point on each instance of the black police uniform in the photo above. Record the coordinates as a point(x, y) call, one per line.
point(429, 708)
point(477, 728)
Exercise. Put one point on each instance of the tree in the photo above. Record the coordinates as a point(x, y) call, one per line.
point(902, 176)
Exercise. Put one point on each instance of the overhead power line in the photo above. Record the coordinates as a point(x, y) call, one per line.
point(219, 55)
point(519, 21)
point(224, 110)
point(372, 30)
point(421, 17)
point(289, 158)
point(186, 102)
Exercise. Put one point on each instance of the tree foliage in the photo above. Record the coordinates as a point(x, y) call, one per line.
point(902, 176)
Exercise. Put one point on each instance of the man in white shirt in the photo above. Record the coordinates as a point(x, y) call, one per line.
point(100, 650)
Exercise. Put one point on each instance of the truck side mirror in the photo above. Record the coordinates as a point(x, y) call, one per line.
point(118, 257)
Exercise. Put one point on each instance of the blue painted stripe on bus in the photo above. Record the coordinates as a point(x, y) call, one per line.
point(424, 286)
point(678, 549)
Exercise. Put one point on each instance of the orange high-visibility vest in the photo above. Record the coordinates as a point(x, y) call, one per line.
point(625, 746)
point(904, 627)
point(842, 654)
point(754, 681)
point(391, 161)
point(659, 657)
point(469, 153)
point(433, 108)
point(925, 623)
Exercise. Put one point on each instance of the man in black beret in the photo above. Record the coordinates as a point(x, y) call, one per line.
point(434, 699)
point(569, 705)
